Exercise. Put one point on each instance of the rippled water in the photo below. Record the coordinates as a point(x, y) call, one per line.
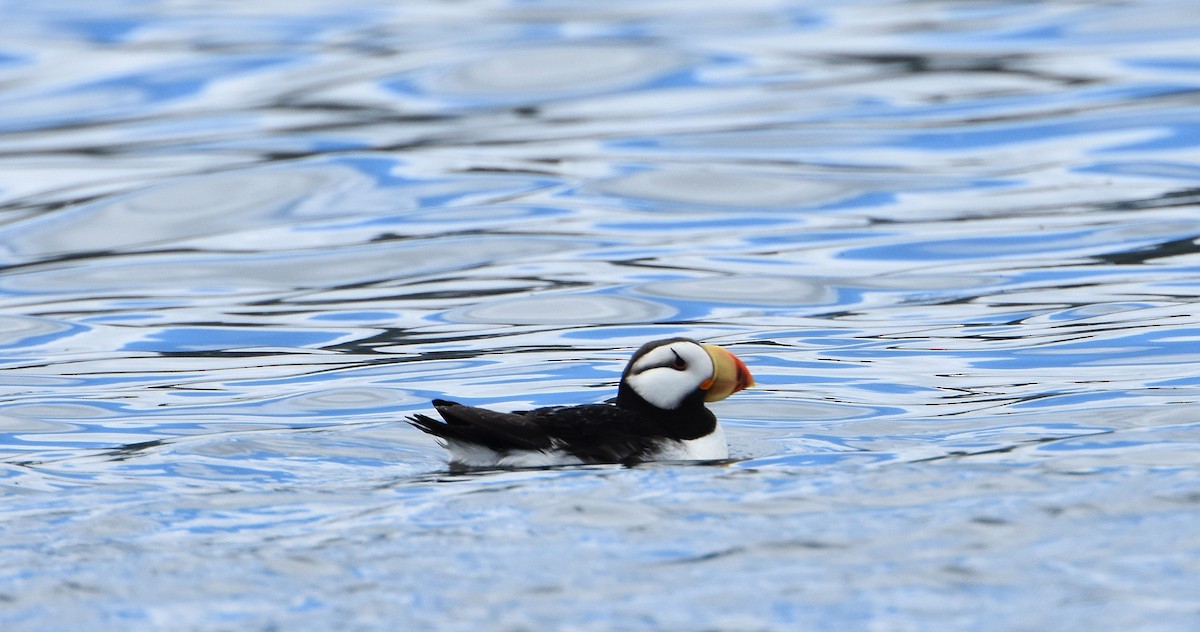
point(956, 242)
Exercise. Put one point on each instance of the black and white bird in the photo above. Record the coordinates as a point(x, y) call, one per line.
point(659, 415)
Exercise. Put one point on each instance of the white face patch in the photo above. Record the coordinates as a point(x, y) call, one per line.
point(668, 374)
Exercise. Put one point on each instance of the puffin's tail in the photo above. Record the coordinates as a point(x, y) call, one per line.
point(425, 423)
point(436, 427)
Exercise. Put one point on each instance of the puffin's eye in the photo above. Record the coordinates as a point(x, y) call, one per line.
point(679, 364)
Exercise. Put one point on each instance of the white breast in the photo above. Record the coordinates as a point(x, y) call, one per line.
point(710, 447)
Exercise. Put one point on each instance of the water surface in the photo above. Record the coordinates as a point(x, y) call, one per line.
point(955, 242)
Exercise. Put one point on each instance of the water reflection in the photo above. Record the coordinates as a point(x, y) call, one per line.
point(955, 243)
point(564, 310)
point(539, 73)
point(697, 189)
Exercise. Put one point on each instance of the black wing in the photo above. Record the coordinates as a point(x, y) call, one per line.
point(595, 433)
point(600, 433)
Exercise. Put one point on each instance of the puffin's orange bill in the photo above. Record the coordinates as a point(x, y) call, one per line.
point(729, 376)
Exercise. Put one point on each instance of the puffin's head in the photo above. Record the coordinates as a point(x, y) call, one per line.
point(667, 372)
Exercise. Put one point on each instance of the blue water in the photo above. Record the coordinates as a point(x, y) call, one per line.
point(956, 243)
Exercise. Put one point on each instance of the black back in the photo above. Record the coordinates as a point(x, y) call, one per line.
point(629, 431)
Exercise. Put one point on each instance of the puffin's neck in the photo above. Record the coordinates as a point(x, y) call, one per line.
point(691, 420)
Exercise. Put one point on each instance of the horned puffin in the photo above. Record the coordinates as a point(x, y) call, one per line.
point(658, 415)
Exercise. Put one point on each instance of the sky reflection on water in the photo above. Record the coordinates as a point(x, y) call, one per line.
point(956, 243)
